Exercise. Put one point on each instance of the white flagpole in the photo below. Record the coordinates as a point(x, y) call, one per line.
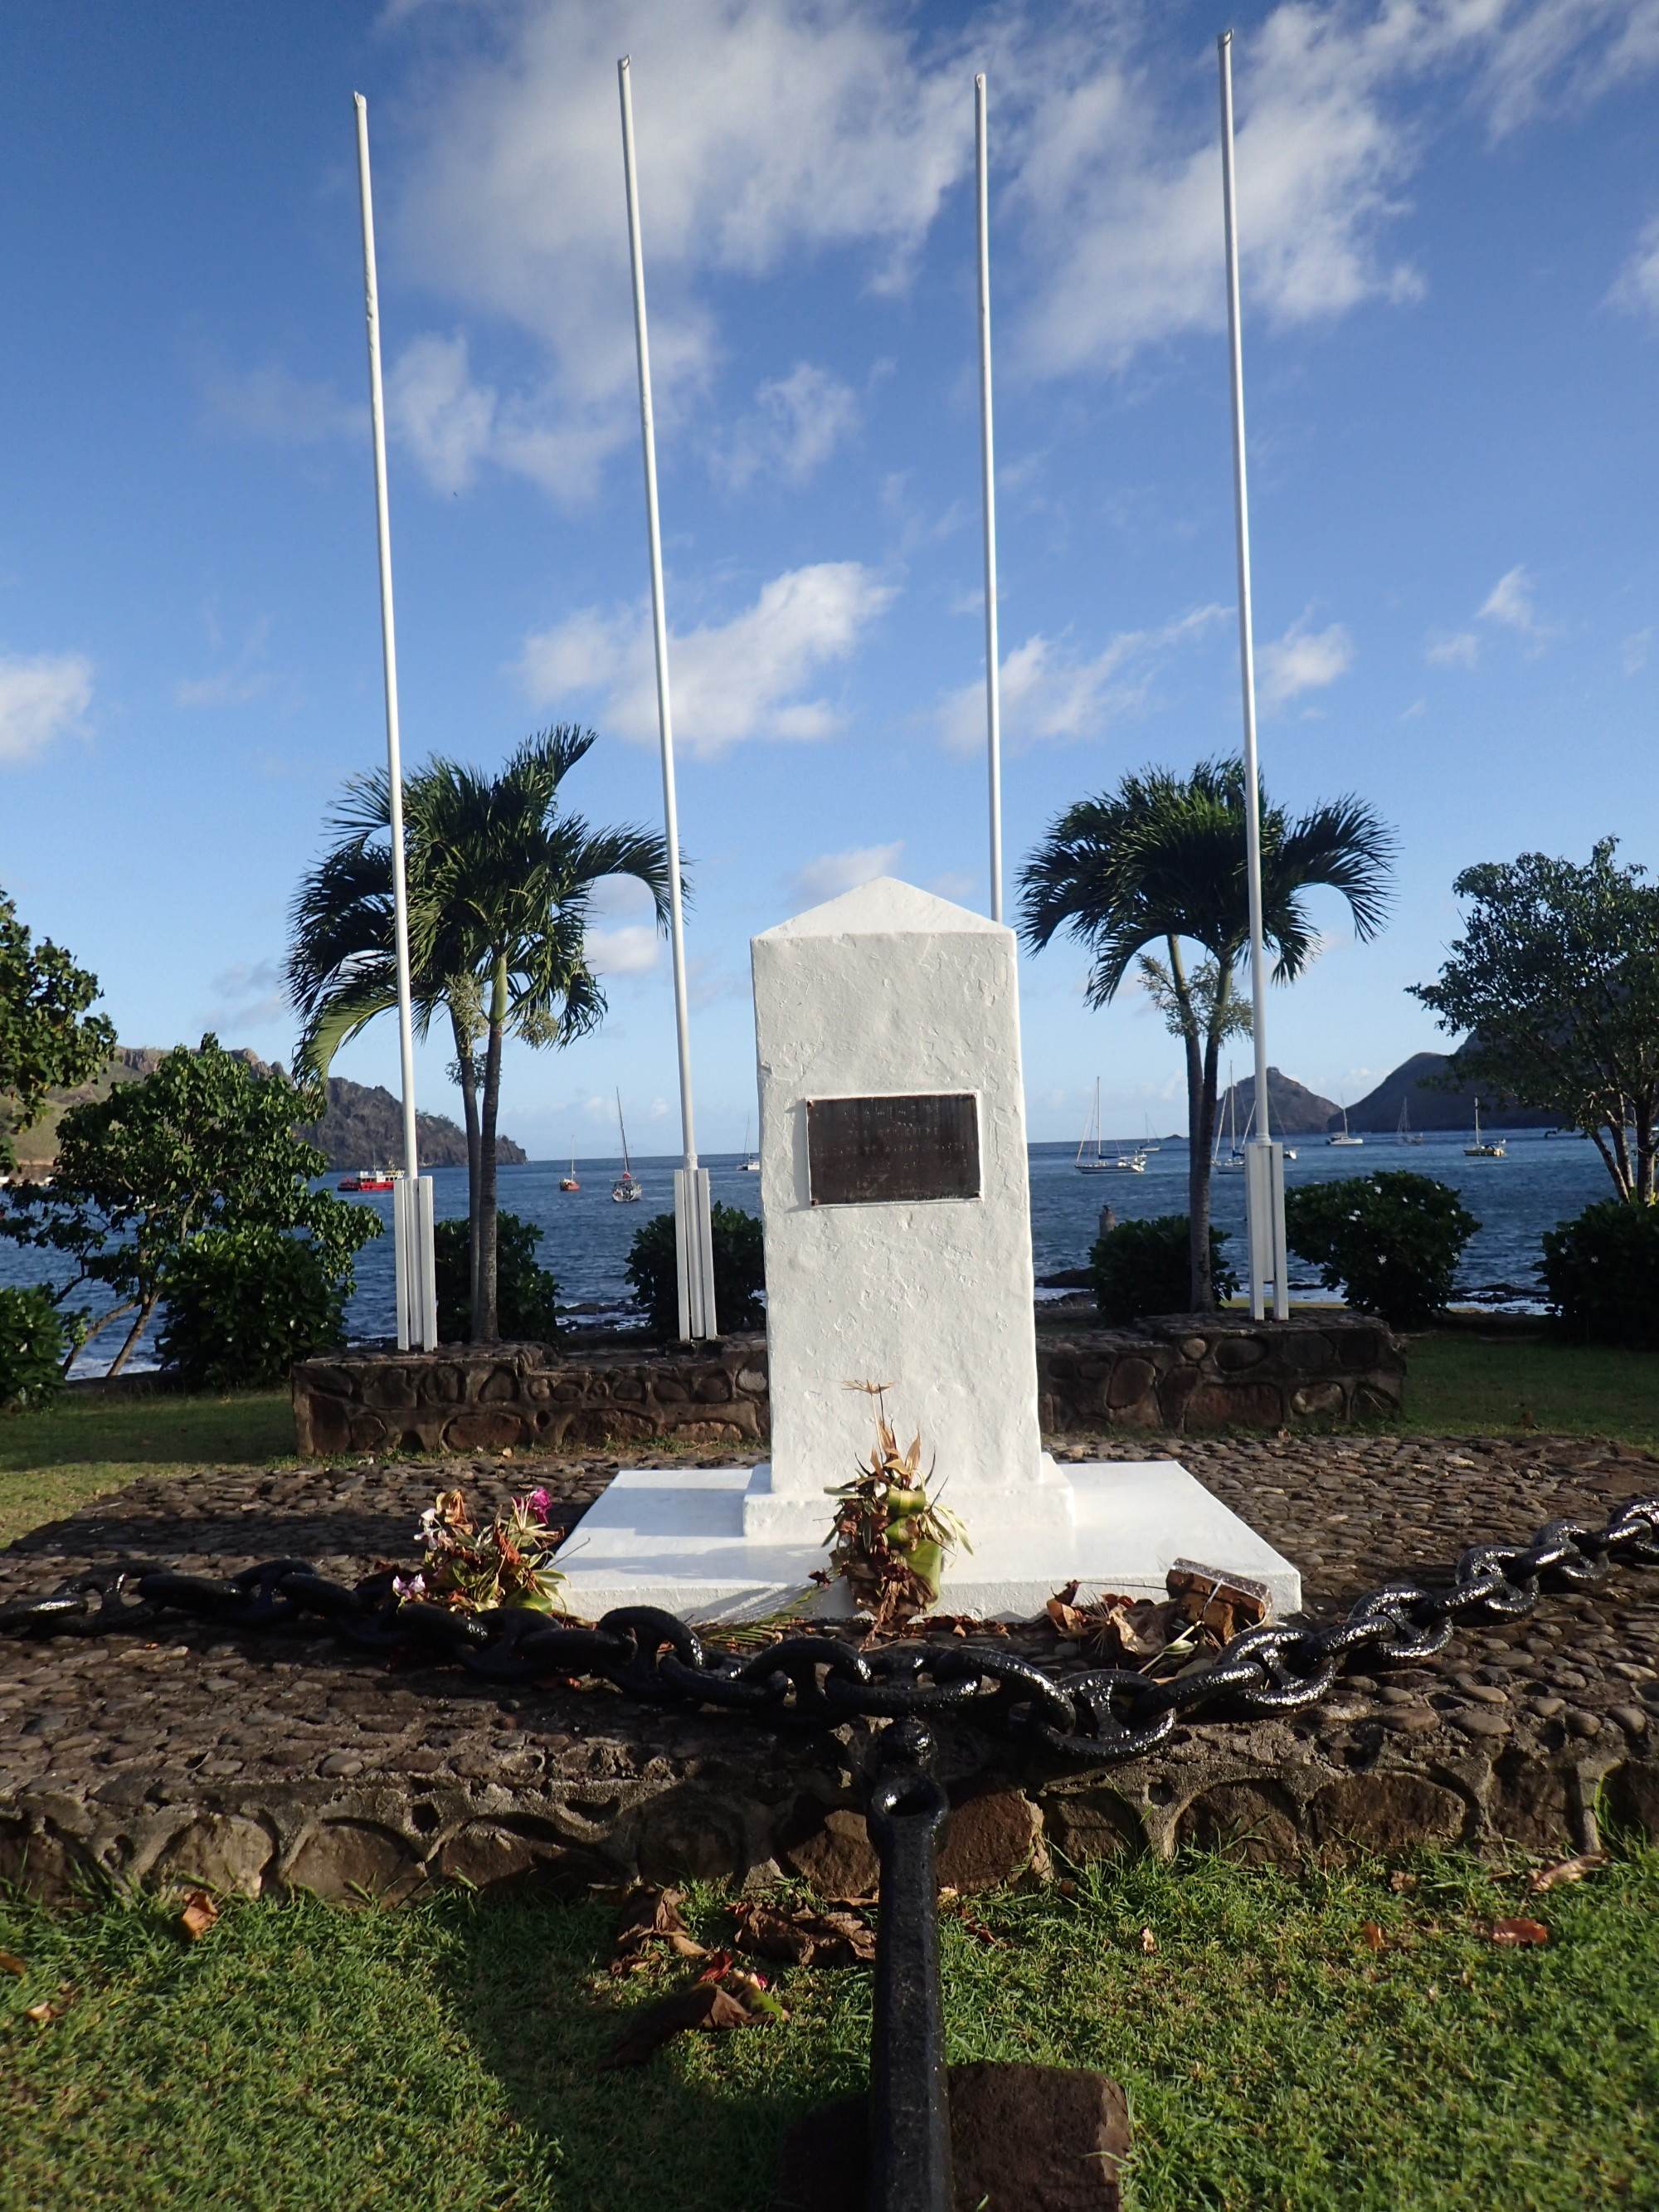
point(416, 1309)
point(1267, 1202)
point(695, 1252)
point(988, 471)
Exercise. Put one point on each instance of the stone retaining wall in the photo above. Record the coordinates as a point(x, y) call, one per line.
point(1177, 1374)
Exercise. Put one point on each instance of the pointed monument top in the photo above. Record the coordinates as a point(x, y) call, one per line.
point(883, 908)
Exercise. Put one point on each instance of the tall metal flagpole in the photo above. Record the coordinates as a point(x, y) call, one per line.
point(691, 1200)
point(988, 470)
point(417, 1304)
point(1265, 1179)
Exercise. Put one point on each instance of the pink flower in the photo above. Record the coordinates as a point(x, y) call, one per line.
point(537, 1504)
point(413, 1586)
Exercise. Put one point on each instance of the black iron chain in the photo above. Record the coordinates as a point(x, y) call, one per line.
point(818, 1681)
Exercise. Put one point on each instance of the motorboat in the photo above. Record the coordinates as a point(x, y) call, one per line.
point(628, 1189)
point(1492, 1148)
point(1091, 1160)
point(369, 1179)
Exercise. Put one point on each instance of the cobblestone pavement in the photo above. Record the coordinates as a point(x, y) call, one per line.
point(287, 1758)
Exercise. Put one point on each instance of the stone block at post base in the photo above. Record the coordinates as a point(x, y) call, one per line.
point(1023, 2139)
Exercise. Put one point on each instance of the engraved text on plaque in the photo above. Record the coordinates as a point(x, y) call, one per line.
point(863, 1152)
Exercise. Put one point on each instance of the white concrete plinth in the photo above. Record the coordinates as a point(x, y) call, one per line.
point(772, 1515)
point(676, 1540)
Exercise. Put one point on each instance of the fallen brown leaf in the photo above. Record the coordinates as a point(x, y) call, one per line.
point(11, 1964)
point(41, 2012)
point(654, 1917)
point(199, 1914)
point(1402, 1883)
point(1520, 1931)
point(1371, 1933)
point(704, 2005)
point(1552, 1877)
point(804, 1937)
point(1148, 1942)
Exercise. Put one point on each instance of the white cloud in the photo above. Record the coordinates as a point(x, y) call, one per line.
point(249, 995)
point(831, 873)
point(40, 698)
point(1637, 286)
point(445, 419)
point(272, 403)
point(1049, 691)
point(1462, 649)
point(1511, 602)
point(632, 950)
point(735, 680)
point(796, 425)
point(1303, 660)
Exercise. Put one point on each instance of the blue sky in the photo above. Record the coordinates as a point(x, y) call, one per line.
point(1451, 226)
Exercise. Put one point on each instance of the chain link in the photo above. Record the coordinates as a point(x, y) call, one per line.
point(819, 1681)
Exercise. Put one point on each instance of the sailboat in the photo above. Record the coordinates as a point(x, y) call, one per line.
point(569, 1181)
point(750, 1161)
point(627, 1190)
point(1492, 1149)
point(1347, 1136)
point(1091, 1160)
point(1231, 1162)
point(1405, 1134)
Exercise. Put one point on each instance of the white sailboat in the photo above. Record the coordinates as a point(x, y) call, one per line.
point(1493, 1148)
point(1405, 1134)
point(1091, 1160)
point(1345, 1137)
point(1231, 1162)
point(628, 1189)
point(750, 1163)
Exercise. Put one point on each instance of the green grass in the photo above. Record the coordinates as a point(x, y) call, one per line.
point(54, 1461)
point(1458, 1385)
point(444, 2056)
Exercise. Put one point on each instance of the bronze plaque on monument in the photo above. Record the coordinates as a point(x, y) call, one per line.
point(868, 1151)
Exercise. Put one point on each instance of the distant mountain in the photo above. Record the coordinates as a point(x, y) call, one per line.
point(363, 1127)
point(1293, 1110)
point(1379, 1109)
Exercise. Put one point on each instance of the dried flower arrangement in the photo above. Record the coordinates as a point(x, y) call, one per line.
point(1202, 1613)
point(889, 1538)
point(508, 1562)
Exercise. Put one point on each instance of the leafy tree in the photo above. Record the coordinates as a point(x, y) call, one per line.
point(47, 1039)
point(35, 1346)
point(1556, 977)
point(1160, 863)
point(527, 1295)
point(244, 1304)
point(501, 887)
point(739, 1271)
point(1142, 1267)
point(1600, 1274)
point(1391, 1242)
point(204, 1142)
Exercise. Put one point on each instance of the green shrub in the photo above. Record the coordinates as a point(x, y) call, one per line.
point(1601, 1274)
point(1144, 1267)
point(243, 1305)
point(1390, 1242)
point(739, 1272)
point(34, 1343)
point(526, 1296)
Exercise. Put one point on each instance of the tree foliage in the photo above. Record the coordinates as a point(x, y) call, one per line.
point(739, 1271)
point(1160, 862)
point(48, 1041)
point(500, 886)
point(1600, 1274)
point(1556, 977)
point(527, 1295)
point(1391, 1242)
point(244, 1304)
point(1142, 1267)
point(203, 1143)
point(35, 1344)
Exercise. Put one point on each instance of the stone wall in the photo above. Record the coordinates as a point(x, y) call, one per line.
point(1177, 1374)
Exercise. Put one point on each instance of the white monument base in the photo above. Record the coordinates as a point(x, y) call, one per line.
point(796, 1516)
point(676, 1539)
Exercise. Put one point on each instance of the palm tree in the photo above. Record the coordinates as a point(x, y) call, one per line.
point(1161, 861)
point(499, 887)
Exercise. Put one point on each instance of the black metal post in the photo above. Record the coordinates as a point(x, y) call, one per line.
point(910, 2104)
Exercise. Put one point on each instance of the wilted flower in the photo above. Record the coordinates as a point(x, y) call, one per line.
point(536, 1504)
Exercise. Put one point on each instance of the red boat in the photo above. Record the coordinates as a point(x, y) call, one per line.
point(369, 1179)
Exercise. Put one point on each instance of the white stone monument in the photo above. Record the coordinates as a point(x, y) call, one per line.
point(895, 1192)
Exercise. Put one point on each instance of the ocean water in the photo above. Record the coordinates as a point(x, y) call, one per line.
point(587, 1236)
